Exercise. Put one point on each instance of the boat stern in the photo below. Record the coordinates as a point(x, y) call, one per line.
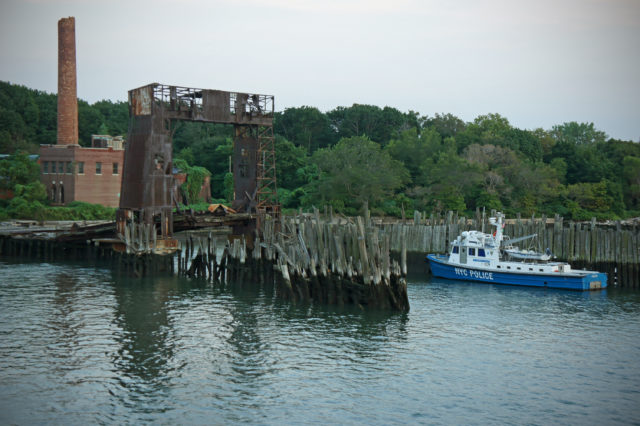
point(594, 281)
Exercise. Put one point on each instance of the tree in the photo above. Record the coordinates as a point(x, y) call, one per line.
point(492, 129)
point(380, 125)
point(585, 163)
point(448, 125)
point(89, 122)
point(116, 116)
point(354, 171)
point(291, 161)
point(413, 149)
point(18, 169)
point(305, 126)
point(526, 143)
point(578, 133)
point(631, 173)
point(594, 199)
point(449, 181)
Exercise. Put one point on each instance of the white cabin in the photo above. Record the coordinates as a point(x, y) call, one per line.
point(475, 249)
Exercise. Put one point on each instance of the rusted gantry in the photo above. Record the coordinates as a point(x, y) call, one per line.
point(147, 184)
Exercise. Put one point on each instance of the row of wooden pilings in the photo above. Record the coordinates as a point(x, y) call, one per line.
point(308, 259)
point(611, 247)
point(54, 251)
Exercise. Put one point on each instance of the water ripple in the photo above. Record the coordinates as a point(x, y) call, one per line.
point(82, 345)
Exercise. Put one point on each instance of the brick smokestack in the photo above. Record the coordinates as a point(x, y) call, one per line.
point(67, 90)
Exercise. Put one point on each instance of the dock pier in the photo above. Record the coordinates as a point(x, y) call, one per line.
point(324, 258)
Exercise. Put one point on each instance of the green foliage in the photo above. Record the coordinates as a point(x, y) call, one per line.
point(391, 159)
point(22, 208)
point(380, 125)
point(355, 171)
point(18, 169)
point(33, 191)
point(489, 129)
point(599, 198)
point(291, 164)
point(305, 127)
point(196, 176)
point(87, 211)
point(186, 155)
point(228, 187)
point(412, 149)
point(89, 122)
point(28, 118)
point(206, 145)
point(292, 199)
point(578, 133)
point(447, 125)
point(631, 174)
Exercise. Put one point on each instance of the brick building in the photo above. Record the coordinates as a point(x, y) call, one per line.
point(73, 173)
point(68, 171)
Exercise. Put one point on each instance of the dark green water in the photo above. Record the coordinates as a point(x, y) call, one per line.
point(81, 345)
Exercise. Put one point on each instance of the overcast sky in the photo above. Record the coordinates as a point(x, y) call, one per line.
point(536, 62)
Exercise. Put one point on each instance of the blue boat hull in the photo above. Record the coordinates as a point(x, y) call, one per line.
point(573, 281)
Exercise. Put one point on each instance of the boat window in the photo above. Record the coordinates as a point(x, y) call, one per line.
point(541, 270)
point(472, 251)
point(531, 269)
point(519, 268)
point(508, 267)
point(498, 266)
point(481, 252)
point(455, 249)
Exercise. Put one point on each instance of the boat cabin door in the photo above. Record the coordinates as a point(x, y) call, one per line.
point(463, 254)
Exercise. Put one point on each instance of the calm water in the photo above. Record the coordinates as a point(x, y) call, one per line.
point(81, 345)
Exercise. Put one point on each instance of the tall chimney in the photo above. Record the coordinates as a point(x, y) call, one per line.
point(67, 91)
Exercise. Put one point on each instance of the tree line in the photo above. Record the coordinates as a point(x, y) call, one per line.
point(390, 159)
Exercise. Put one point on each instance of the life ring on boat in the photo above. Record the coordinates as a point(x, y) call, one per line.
point(494, 233)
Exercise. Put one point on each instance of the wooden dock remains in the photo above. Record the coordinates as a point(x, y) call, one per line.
point(327, 258)
point(309, 260)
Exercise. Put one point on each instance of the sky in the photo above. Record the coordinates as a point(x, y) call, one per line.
point(538, 63)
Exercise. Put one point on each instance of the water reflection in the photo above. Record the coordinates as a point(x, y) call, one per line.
point(84, 345)
point(63, 321)
point(145, 344)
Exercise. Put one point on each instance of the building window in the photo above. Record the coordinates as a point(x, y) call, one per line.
point(60, 167)
point(80, 167)
point(45, 167)
point(98, 168)
point(53, 167)
point(115, 168)
point(69, 168)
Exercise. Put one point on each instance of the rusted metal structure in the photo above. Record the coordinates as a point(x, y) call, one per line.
point(147, 185)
